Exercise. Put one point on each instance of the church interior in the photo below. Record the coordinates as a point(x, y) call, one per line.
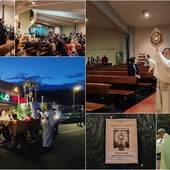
point(123, 30)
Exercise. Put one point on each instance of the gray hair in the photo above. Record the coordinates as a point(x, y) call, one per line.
point(161, 130)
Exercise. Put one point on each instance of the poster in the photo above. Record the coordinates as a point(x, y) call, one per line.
point(121, 141)
point(119, 58)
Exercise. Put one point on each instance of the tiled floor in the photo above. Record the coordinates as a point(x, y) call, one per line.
point(145, 106)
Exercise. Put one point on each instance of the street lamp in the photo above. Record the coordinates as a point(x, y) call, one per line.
point(76, 88)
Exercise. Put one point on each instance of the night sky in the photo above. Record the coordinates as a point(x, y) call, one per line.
point(50, 73)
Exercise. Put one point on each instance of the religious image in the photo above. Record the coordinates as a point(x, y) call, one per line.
point(116, 141)
point(121, 139)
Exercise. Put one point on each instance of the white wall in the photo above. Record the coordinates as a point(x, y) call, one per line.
point(81, 27)
point(104, 41)
point(67, 29)
point(57, 30)
point(8, 15)
point(142, 40)
point(24, 23)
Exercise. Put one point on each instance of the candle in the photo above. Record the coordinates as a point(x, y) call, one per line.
point(27, 98)
point(18, 98)
point(42, 99)
point(32, 99)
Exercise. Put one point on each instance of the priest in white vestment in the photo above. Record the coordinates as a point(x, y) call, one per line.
point(161, 70)
point(47, 122)
point(164, 149)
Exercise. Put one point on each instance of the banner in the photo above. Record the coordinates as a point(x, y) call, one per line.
point(121, 141)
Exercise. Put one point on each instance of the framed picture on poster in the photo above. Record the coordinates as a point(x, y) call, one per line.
point(121, 141)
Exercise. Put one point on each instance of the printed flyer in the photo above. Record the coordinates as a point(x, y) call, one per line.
point(121, 141)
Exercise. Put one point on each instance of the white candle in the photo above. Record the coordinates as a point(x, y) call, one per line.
point(27, 98)
point(32, 99)
point(18, 98)
point(42, 99)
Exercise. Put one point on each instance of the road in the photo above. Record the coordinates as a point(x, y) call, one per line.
point(68, 152)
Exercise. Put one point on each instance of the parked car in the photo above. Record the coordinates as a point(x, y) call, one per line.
point(69, 118)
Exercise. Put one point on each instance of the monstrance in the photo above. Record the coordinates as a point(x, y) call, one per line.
point(156, 38)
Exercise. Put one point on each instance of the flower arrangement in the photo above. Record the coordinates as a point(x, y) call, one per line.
point(22, 110)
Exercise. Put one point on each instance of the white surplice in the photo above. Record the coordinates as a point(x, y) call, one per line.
point(47, 128)
point(164, 149)
point(161, 70)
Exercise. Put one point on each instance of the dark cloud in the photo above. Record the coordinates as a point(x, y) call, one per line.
point(24, 76)
point(76, 75)
point(42, 86)
point(18, 77)
point(61, 86)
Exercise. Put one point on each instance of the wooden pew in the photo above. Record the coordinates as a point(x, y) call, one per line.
point(94, 93)
point(27, 50)
point(90, 106)
point(97, 89)
point(93, 66)
point(120, 69)
point(107, 72)
point(143, 74)
point(6, 48)
point(118, 80)
point(44, 53)
point(111, 79)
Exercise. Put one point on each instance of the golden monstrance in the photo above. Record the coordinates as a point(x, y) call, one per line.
point(156, 38)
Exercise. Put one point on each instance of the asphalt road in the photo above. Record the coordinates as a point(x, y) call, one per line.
point(68, 152)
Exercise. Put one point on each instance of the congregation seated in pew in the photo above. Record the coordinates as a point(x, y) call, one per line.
point(122, 92)
point(52, 45)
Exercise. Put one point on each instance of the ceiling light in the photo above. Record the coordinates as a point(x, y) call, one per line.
point(146, 13)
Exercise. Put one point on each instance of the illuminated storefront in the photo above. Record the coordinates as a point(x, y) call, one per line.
point(10, 95)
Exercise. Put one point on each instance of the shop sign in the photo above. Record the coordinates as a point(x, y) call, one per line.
point(9, 98)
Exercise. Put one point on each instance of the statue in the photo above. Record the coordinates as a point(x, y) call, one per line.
point(30, 85)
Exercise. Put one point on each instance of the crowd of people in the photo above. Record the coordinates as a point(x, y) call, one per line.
point(51, 45)
point(42, 122)
point(90, 60)
point(15, 130)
